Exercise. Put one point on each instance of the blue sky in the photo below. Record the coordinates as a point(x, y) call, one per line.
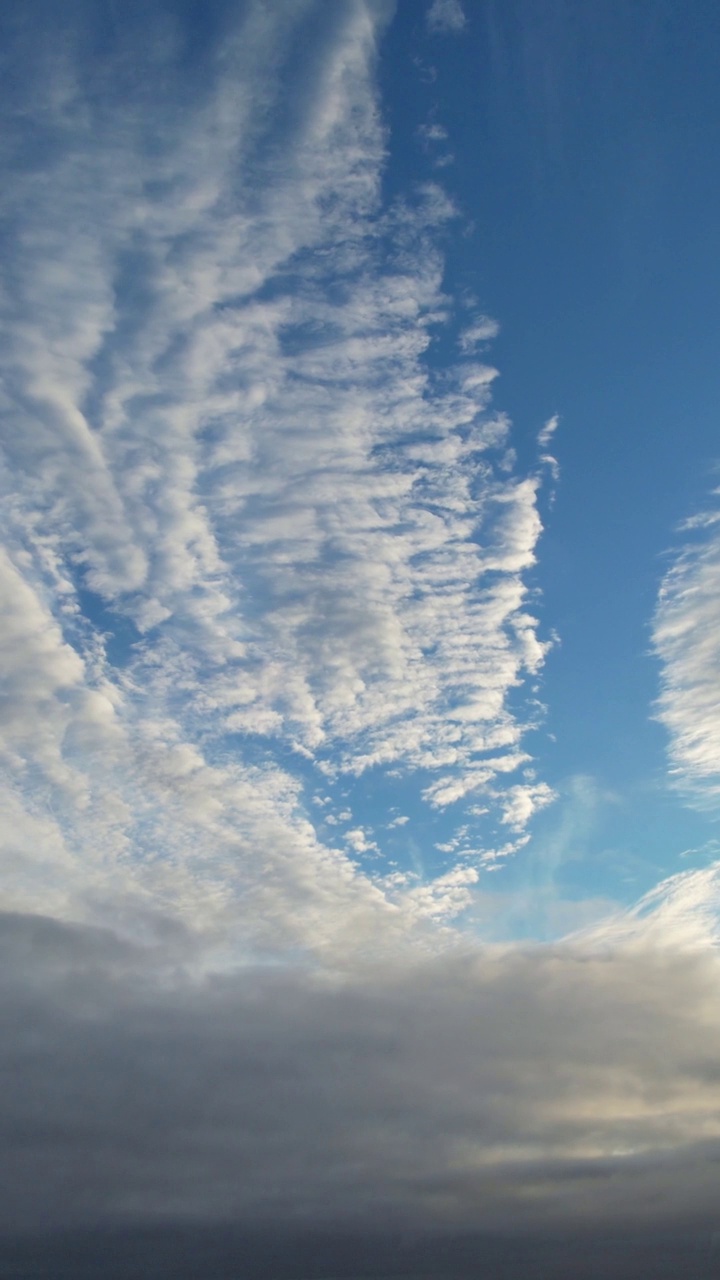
point(581, 160)
point(361, 547)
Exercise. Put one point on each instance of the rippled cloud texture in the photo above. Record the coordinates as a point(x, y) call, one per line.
point(263, 548)
point(249, 528)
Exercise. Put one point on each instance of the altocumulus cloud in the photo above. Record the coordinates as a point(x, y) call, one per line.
point(255, 546)
point(253, 541)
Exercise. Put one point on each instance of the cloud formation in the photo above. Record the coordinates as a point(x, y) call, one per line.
point(686, 637)
point(269, 670)
point(255, 544)
point(503, 1089)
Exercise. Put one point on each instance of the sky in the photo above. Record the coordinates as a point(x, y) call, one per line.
point(360, 642)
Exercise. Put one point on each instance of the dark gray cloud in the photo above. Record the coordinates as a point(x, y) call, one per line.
point(518, 1094)
point(224, 1253)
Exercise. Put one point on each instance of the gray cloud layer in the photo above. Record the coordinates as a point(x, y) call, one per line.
point(565, 1089)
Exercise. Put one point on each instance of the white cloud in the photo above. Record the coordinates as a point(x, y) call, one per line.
point(446, 15)
point(492, 859)
point(547, 432)
point(681, 913)
point(481, 330)
point(522, 801)
point(359, 841)
point(224, 445)
point(445, 897)
point(686, 637)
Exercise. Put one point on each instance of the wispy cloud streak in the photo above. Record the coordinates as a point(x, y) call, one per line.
point(686, 636)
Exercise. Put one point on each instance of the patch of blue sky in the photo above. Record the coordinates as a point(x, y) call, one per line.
point(117, 631)
point(566, 217)
point(387, 804)
point(601, 320)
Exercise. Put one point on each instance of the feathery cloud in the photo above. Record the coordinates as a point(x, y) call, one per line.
point(686, 638)
point(508, 1088)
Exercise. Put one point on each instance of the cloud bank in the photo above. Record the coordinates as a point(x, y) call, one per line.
point(514, 1091)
